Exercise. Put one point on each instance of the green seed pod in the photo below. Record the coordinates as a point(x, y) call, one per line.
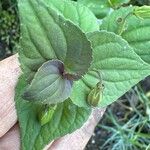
point(95, 95)
point(142, 12)
point(46, 113)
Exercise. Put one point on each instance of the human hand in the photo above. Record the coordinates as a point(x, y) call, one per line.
point(9, 129)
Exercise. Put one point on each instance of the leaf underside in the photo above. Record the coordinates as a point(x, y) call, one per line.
point(48, 85)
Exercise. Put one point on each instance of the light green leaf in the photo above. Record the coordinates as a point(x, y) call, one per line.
point(118, 65)
point(98, 7)
point(117, 3)
point(77, 13)
point(142, 12)
point(133, 29)
point(66, 118)
point(48, 85)
point(46, 35)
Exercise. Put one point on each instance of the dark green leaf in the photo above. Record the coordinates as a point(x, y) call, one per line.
point(48, 85)
point(46, 35)
point(66, 118)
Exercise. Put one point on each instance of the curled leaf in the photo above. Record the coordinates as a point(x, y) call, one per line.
point(49, 86)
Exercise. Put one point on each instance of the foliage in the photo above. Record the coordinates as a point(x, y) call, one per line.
point(66, 118)
point(55, 36)
point(140, 2)
point(9, 28)
point(133, 29)
point(99, 8)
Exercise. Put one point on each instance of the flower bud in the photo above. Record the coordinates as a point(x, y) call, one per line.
point(95, 95)
point(142, 12)
point(46, 113)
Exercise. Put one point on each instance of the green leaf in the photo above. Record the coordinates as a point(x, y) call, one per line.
point(133, 29)
point(48, 85)
point(77, 13)
point(98, 7)
point(46, 35)
point(142, 12)
point(117, 3)
point(118, 65)
point(66, 118)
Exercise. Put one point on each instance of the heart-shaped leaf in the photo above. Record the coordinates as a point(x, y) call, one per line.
point(46, 35)
point(133, 29)
point(49, 86)
point(66, 118)
point(120, 68)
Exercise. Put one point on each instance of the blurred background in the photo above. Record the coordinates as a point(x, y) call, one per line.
point(126, 123)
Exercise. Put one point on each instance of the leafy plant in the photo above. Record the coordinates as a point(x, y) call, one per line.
point(64, 56)
point(9, 28)
point(140, 2)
